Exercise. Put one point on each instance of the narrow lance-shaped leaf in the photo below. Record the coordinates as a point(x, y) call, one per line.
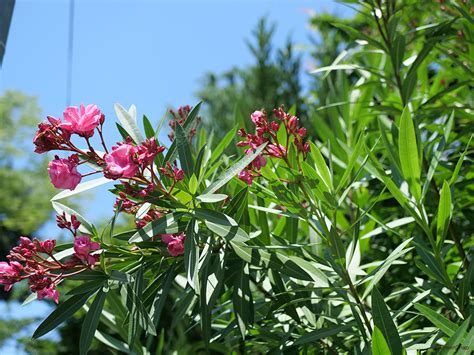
point(233, 170)
point(63, 312)
point(441, 322)
point(91, 321)
point(444, 214)
point(379, 345)
point(149, 131)
point(166, 224)
point(128, 120)
point(184, 151)
point(222, 225)
point(83, 186)
point(242, 298)
point(383, 320)
point(408, 151)
point(191, 256)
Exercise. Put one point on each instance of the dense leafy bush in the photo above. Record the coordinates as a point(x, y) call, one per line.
point(355, 238)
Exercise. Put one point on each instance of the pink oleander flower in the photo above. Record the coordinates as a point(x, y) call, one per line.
point(246, 177)
point(120, 162)
point(50, 292)
point(81, 121)
point(64, 174)
point(276, 151)
point(83, 246)
point(175, 243)
point(9, 274)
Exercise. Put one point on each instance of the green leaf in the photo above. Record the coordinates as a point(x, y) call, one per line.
point(321, 167)
point(64, 311)
point(149, 131)
point(223, 144)
point(444, 214)
point(222, 225)
point(233, 170)
point(191, 256)
point(162, 295)
point(128, 120)
point(211, 198)
point(237, 204)
point(397, 51)
point(242, 298)
point(164, 225)
point(378, 273)
point(455, 174)
point(408, 151)
point(91, 286)
point(317, 334)
point(91, 321)
point(383, 320)
point(184, 151)
point(83, 186)
point(456, 339)
point(111, 342)
point(379, 345)
point(193, 184)
point(444, 324)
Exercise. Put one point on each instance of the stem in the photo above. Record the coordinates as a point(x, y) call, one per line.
point(102, 139)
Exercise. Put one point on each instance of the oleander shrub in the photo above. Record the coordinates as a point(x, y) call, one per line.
point(350, 232)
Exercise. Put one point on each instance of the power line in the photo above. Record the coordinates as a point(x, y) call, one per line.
point(70, 52)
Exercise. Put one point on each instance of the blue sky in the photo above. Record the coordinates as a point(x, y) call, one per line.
point(149, 53)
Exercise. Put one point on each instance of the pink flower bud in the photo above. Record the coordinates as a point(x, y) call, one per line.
point(258, 118)
point(75, 223)
point(259, 162)
point(275, 126)
point(64, 174)
point(47, 246)
point(241, 132)
point(246, 177)
point(293, 123)
point(178, 175)
point(120, 163)
point(306, 147)
point(276, 151)
point(81, 121)
point(302, 132)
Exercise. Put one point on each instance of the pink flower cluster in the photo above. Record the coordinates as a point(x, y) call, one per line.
point(125, 161)
point(267, 132)
point(180, 118)
point(34, 260)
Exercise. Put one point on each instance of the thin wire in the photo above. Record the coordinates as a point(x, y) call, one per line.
point(70, 52)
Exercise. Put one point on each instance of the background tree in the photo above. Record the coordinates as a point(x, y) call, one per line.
point(24, 181)
point(273, 80)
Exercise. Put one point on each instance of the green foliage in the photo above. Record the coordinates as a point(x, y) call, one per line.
point(363, 244)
